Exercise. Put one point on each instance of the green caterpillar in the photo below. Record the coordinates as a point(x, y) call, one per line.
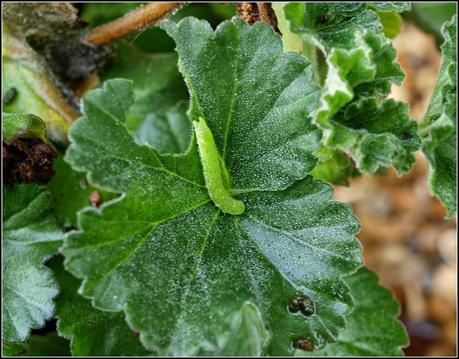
point(215, 174)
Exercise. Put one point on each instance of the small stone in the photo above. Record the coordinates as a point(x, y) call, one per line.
point(94, 199)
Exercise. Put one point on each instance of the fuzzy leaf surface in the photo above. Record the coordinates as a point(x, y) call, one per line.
point(360, 67)
point(30, 237)
point(165, 245)
point(372, 328)
point(439, 126)
point(91, 331)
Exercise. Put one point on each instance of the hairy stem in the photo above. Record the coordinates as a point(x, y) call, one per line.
point(131, 22)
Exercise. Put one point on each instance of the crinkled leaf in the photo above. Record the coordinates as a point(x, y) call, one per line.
point(376, 133)
point(30, 237)
point(438, 127)
point(91, 331)
point(330, 25)
point(372, 328)
point(16, 126)
point(34, 86)
point(360, 68)
point(165, 245)
point(333, 166)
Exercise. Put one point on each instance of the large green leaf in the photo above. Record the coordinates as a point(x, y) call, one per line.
point(90, 331)
point(372, 328)
point(356, 64)
point(438, 128)
point(30, 237)
point(166, 245)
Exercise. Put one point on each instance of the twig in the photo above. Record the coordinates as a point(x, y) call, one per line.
point(131, 22)
point(263, 12)
point(260, 11)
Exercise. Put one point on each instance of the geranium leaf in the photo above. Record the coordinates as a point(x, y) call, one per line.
point(377, 133)
point(165, 244)
point(438, 127)
point(244, 108)
point(372, 328)
point(359, 66)
point(90, 331)
point(30, 237)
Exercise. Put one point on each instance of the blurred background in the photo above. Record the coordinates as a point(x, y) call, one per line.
point(405, 237)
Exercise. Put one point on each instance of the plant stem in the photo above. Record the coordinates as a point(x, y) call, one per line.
point(263, 12)
point(131, 22)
